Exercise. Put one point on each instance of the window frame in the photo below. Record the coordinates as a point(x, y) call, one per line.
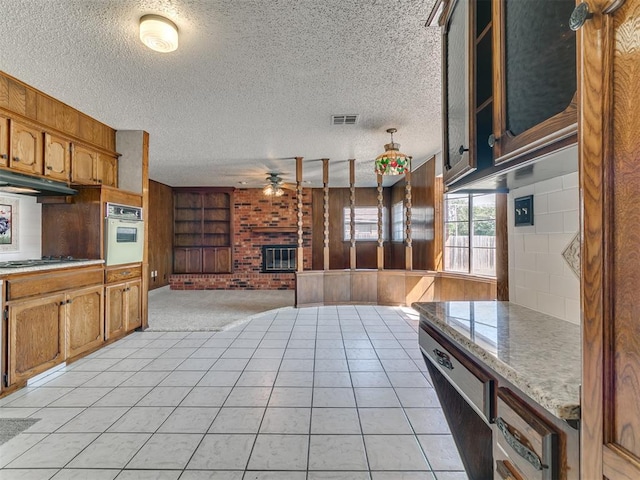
point(346, 222)
point(470, 223)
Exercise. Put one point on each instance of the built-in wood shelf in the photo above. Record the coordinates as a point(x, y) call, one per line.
point(274, 229)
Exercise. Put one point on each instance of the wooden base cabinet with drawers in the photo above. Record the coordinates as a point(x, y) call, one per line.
point(52, 316)
point(499, 431)
point(123, 300)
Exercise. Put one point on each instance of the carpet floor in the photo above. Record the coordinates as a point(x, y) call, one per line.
point(211, 310)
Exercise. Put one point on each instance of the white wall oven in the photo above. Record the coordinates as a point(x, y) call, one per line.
point(124, 234)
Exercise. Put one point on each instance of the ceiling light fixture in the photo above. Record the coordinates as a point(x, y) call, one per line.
point(273, 191)
point(158, 33)
point(273, 187)
point(392, 161)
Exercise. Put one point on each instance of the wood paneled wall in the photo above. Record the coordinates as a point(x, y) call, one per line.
point(160, 215)
point(426, 219)
point(22, 100)
point(338, 248)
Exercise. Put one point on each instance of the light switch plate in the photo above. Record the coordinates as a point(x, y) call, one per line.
point(523, 211)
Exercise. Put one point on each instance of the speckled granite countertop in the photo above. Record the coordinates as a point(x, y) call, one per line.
point(5, 272)
point(538, 353)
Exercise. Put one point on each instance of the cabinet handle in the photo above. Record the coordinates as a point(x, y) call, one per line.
point(579, 16)
point(461, 150)
point(16, 159)
point(126, 272)
point(443, 359)
point(3, 156)
point(492, 140)
point(62, 303)
point(520, 448)
point(49, 167)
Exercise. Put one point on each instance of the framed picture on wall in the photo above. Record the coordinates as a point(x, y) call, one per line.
point(8, 224)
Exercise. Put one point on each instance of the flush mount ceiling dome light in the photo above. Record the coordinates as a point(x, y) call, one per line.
point(158, 33)
point(392, 162)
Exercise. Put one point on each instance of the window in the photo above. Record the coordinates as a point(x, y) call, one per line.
point(398, 222)
point(366, 223)
point(470, 233)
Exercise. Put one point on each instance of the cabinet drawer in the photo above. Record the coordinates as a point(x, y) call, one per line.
point(114, 275)
point(52, 281)
point(469, 380)
point(506, 471)
point(530, 443)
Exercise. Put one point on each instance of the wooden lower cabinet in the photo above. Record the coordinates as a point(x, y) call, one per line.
point(187, 260)
point(216, 260)
point(36, 336)
point(123, 311)
point(84, 314)
point(202, 260)
point(114, 311)
point(53, 316)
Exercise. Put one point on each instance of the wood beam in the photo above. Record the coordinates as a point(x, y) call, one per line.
point(325, 188)
point(380, 249)
point(352, 207)
point(300, 249)
point(408, 249)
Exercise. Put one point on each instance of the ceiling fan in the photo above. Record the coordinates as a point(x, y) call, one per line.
point(275, 185)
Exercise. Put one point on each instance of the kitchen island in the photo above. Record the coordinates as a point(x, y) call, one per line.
point(509, 381)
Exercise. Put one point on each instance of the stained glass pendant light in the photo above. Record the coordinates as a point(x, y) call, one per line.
point(392, 161)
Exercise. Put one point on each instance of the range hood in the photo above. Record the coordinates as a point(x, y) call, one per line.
point(11, 182)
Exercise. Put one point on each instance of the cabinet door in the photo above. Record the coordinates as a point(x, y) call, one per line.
point(85, 326)
point(108, 170)
point(4, 141)
point(26, 148)
point(536, 62)
point(216, 260)
point(36, 336)
point(115, 321)
point(187, 260)
point(83, 166)
point(134, 305)
point(56, 157)
point(458, 157)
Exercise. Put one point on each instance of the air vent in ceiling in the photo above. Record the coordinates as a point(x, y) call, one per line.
point(344, 119)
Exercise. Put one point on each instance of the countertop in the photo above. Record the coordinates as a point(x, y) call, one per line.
point(539, 354)
point(4, 272)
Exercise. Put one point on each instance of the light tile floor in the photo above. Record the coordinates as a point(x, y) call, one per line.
point(307, 394)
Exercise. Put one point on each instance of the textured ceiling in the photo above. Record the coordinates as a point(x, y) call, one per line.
point(252, 84)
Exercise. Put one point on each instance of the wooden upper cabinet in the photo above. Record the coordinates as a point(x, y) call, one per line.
point(26, 148)
point(84, 162)
point(107, 170)
point(57, 155)
point(535, 77)
point(4, 141)
point(467, 87)
point(458, 158)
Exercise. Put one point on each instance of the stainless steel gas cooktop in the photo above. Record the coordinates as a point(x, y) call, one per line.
point(36, 262)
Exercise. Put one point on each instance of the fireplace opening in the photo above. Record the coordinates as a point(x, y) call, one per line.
point(278, 258)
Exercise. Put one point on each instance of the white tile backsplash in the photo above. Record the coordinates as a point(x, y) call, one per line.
point(539, 277)
point(29, 229)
